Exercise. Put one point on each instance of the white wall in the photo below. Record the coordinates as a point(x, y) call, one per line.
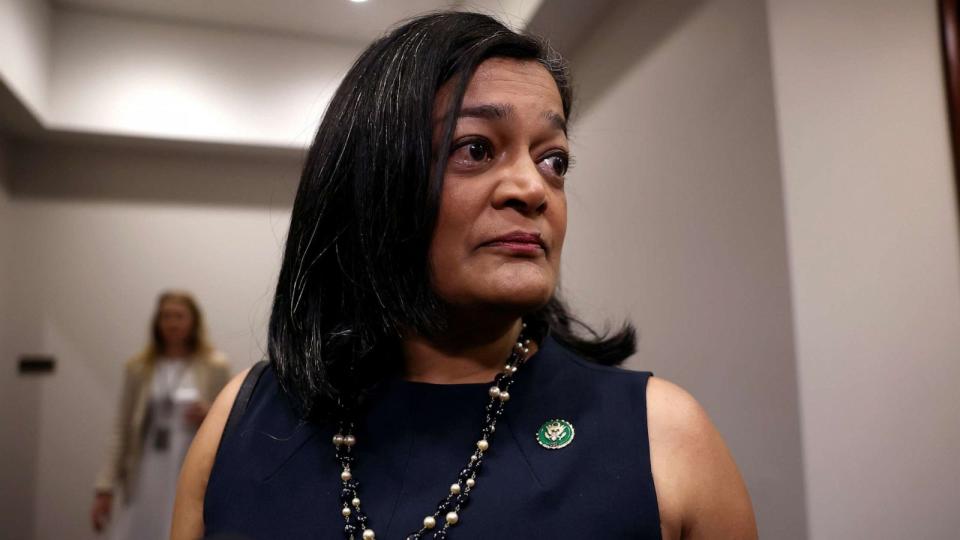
point(514, 13)
point(676, 220)
point(151, 78)
point(874, 259)
point(24, 50)
point(98, 232)
point(18, 403)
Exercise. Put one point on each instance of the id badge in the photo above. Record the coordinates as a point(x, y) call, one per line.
point(166, 406)
point(161, 439)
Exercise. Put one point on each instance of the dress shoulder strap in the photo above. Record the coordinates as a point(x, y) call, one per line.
point(243, 398)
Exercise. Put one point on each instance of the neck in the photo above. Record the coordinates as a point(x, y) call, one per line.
point(463, 355)
point(176, 350)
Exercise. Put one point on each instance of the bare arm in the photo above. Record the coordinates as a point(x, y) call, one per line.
point(699, 489)
point(192, 486)
point(112, 471)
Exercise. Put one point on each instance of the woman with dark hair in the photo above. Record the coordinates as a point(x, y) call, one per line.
point(167, 390)
point(425, 381)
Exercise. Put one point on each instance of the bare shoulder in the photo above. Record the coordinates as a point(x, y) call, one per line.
point(675, 417)
point(699, 488)
point(192, 485)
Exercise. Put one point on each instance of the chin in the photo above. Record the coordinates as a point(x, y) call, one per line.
point(522, 298)
point(517, 292)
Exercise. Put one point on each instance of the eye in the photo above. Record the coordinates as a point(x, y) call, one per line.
point(557, 164)
point(477, 151)
point(471, 153)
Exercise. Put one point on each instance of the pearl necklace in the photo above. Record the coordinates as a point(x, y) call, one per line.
point(449, 507)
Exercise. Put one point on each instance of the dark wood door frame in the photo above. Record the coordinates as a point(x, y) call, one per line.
point(950, 40)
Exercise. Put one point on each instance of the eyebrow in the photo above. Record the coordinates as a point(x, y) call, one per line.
point(556, 120)
point(493, 111)
point(504, 111)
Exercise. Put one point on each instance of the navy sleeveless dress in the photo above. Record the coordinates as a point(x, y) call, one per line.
point(275, 476)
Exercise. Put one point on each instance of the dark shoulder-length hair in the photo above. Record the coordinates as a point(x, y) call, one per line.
point(355, 270)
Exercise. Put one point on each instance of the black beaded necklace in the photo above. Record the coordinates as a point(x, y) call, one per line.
point(447, 513)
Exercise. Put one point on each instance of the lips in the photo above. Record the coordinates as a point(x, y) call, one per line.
point(518, 239)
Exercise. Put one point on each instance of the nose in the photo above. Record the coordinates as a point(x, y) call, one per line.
point(521, 187)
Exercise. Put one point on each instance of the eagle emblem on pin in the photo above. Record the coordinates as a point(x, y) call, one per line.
point(555, 434)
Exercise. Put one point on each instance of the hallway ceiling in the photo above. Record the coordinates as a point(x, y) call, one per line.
point(340, 20)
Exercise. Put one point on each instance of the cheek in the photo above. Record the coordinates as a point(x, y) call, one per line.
point(455, 220)
point(443, 256)
point(455, 269)
point(558, 224)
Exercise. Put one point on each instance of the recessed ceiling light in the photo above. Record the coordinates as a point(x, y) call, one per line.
point(358, 1)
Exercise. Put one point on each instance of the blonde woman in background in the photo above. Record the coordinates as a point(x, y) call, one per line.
point(167, 391)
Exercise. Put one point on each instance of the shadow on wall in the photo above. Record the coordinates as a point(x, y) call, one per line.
point(153, 173)
point(644, 24)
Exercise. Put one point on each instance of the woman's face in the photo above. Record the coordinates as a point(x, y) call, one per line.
point(176, 322)
point(503, 211)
